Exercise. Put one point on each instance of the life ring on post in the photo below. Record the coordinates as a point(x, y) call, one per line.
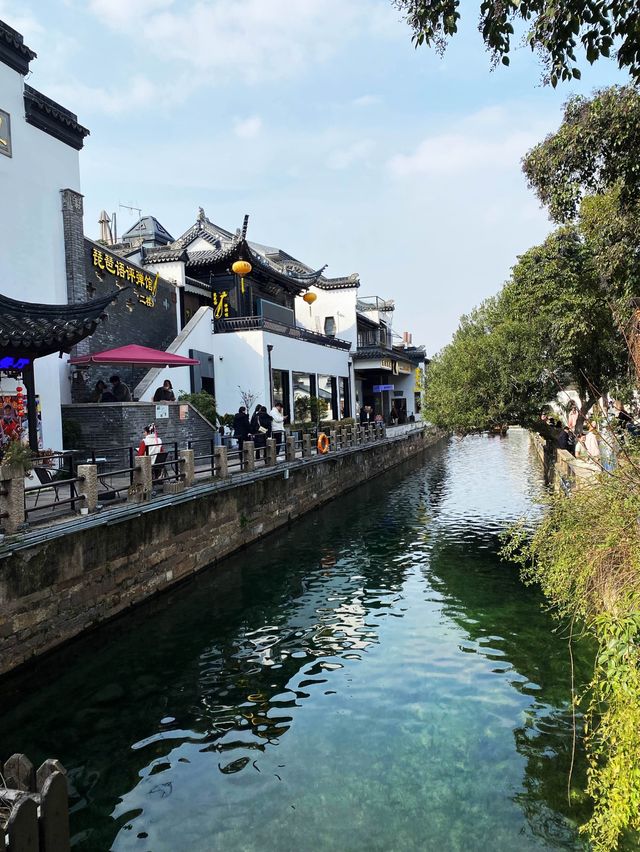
point(323, 444)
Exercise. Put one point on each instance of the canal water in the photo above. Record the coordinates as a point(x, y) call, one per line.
point(374, 678)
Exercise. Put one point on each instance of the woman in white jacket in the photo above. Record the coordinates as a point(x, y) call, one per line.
point(150, 445)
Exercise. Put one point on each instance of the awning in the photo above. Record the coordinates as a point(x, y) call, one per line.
point(140, 356)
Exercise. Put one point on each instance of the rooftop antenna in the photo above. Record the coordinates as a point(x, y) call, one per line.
point(131, 209)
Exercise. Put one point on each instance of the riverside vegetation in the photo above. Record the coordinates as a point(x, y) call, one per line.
point(564, 318)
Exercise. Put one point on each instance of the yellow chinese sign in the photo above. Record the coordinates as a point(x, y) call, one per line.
point(221, 305)
point(148, 284)
point(419, 384)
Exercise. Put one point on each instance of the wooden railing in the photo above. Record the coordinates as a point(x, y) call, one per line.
point(275, 327)
point(34, 806)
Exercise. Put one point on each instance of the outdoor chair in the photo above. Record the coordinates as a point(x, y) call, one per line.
point(158, 470)
point(46, 477)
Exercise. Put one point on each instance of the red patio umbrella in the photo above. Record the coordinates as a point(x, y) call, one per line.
point(136, 356)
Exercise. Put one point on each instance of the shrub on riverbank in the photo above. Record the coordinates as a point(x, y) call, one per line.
point(585, 555)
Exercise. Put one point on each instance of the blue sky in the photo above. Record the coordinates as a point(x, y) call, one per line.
point(318, 118)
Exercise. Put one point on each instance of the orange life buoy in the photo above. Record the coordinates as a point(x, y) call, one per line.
point(323, 443)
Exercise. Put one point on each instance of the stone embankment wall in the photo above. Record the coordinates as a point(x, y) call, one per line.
point(57, 584)
point(562, 470)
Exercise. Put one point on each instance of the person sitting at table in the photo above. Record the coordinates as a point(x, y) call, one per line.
point(119, 390)
point(150, 445)
point(164, 393)
point(98, 391)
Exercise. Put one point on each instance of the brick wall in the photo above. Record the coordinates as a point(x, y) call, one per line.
point(112, 424)
point(54, 589)
point(129, 319)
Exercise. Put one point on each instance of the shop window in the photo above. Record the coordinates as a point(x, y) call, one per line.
point(302, 392)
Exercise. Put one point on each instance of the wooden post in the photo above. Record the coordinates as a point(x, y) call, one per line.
point(249, 455)
point(187, 459)
point(22, 828)
point(141, 487)
point(89, 488)
point(32, 413)
point(20, 774)
point(271, 452)
point(54, 814)
point(222, 462)
point(306, 446)
point(12, 503)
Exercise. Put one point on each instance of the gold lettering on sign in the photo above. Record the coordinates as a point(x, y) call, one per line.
point(221, 305)
point(125, 272)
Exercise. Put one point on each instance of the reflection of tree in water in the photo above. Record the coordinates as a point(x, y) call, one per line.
point(220, 663)
point(505, 623)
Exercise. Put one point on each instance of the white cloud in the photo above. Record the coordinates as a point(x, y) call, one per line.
point(347, 156)
point(250, 39)
point(82, 98)
point(22, 21)
point(492, 138)
point(121, 13)
point(248, 128)
point(365, 101)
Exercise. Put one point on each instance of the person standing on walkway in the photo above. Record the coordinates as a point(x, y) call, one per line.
point(277, 425)
point(260, 428)
point(241, 424)
point(591, 444)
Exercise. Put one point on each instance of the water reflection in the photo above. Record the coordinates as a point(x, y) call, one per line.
point(371, 679)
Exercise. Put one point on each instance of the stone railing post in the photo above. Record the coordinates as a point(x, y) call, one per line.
point(290, 448)
point(306, 446)
point(249, 456)
point(221, 460)
point(88, 487)
point(362, 435)
point(187, 458)
point(271, 452)
point(142, 485)
point(12, 497)
point(333, 441)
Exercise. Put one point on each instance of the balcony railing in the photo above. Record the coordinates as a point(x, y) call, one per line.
point(224, 326)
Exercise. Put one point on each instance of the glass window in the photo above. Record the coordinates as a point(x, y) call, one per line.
point(328, 395)
point(301, 396)
point(345, 397)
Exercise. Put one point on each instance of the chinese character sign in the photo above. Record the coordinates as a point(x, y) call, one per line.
point(221, 305)
point(146, 285)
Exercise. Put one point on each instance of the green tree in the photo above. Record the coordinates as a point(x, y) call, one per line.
point(594, 151)
point(588, 172)
point(554, 30)
point(550, 325)
point(202, 402)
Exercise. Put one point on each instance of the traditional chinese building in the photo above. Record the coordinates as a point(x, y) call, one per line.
point(40, 142)
point(254, 332)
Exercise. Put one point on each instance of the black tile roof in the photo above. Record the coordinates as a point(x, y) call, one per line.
point(28, 329)
point(47, 115)
point(13, 51)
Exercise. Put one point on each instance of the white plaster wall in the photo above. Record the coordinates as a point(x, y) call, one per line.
point(339, 304)
point(407, 384)
point(240, 361)
point(32, 263)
